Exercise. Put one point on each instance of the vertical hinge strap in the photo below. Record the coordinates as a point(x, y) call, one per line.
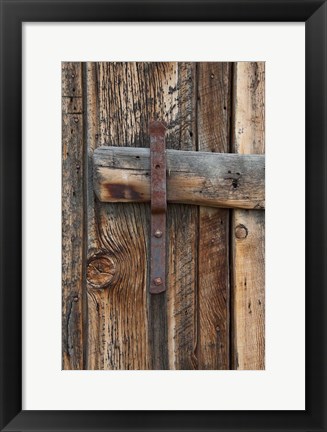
point(157, 133)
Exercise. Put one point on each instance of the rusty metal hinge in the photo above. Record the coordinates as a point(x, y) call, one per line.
point(217, 180)
point(157, 131)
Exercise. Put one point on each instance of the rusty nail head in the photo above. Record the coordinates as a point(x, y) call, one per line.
point(157, 281)
point(158, 234)
point(241, 231)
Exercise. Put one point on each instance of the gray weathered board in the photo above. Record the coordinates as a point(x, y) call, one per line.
point(214, 179)
point(212, 314)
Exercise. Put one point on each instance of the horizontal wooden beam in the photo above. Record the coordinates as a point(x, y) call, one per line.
point(122, 174)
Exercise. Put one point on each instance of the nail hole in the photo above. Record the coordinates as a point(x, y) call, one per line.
point(157, 166)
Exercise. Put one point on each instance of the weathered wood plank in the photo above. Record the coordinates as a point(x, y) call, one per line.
point(208, 179)
point(248, 246)
point(225, 177)
point(118, 250)
point(182, 229)
point(93, 359)
point(72, 217)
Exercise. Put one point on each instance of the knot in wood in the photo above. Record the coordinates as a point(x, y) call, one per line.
point(241, 232)
point(100, 271)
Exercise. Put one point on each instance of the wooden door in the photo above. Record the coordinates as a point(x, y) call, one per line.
point(212, 313)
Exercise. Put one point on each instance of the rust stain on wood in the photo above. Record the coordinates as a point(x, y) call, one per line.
point(123, 192)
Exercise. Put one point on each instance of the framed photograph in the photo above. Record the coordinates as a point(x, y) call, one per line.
point(163, 215)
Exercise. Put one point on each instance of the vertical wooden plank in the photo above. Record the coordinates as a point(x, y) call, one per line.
point(182, 234)
point(72, 216)
point(92, 356)
point(248, 245)
point(214, 91)
point(117, 249)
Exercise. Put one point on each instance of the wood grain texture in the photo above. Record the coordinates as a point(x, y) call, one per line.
point(128, 328)
point(118, 249)
point(93, 359)
point(198, 178)
point(72, 217)
point(214, 88)
point(182, 232)
point(212, 314)
point(248, 246)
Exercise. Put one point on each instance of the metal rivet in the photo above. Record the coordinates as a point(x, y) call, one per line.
point(157, 281)
point(241, 232)
point(158, 234)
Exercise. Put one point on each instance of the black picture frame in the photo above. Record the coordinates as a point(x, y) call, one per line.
point(13, 14)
